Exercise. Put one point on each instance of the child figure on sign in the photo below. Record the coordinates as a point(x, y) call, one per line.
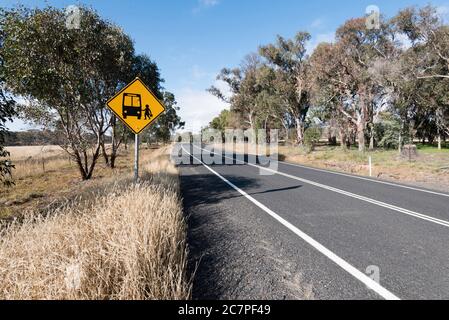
point(148, 114)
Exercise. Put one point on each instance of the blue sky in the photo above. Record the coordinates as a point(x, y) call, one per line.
point(191, 40)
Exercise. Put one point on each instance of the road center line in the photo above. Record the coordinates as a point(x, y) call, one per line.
point(349, 194)
point(370, 283)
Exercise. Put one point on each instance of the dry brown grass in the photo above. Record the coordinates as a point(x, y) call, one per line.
point(35, 160)
point(26, 152)
point(37, 187)
point(125, 242)
point(430, 169)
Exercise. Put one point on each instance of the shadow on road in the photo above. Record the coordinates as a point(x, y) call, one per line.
point(211, 236)
point(209, 189)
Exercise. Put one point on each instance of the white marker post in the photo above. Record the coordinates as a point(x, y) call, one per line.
point(136, 159)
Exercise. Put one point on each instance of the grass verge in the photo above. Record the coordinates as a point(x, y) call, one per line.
point(125, 241)
point(430, 169)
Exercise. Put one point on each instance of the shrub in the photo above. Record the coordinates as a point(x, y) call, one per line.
point(387, 134)
point(311, 138)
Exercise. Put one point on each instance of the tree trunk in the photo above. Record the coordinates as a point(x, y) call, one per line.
point(95, 157)
point(439, 142)
point(331, 137)
point(286, 134)
point(343, 139)
point(115, 143)
point(361, 134)
point(299, 131)
point(361, 125)
point(371, 138)
point(113, 158)
point(80, 165)
point(104, 153)
point(362, 117)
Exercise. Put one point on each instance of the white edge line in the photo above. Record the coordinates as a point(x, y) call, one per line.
point(362, 178)
point(370, 283)
point(366, 179)
point(352, 195)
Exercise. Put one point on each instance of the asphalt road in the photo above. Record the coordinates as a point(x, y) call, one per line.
point(302, 233)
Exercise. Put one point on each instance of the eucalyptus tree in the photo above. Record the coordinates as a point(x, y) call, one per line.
point(361, 48)
point(429, 38)
point(244, 90)
point(332, 88)
point(344, 70)
point(111, 68)
point(288, 57)
point(66, 74)
point(7, 111)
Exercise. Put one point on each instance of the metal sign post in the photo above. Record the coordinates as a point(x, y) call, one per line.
point(136, 159)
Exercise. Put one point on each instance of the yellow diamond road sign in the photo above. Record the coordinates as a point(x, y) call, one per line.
point(136, 106)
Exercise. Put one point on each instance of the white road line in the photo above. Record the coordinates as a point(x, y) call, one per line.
point(370, 283)
point(349, 194)
point(366, 179)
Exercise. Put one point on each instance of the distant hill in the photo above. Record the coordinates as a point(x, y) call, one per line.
point(35, 137)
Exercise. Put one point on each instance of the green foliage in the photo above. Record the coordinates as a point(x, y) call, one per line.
point(269, 89)
point(167, 123)
point(222, 121)
point(148, 71)
point(68, 74)
point(348, 82)
point(7, 111)
point(288, 85)
point(311, 137)
point(387, 134)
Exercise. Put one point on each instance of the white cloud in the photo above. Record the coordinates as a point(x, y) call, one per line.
point(316, 40)
point(209, 3)
point(317, 23)
point(198, 107)
point(203, 4)
point(198, 73)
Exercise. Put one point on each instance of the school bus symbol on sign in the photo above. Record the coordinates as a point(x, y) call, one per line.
point(136, 106)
